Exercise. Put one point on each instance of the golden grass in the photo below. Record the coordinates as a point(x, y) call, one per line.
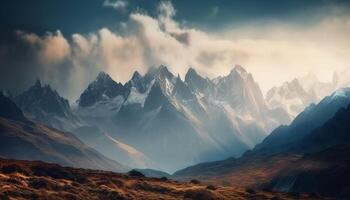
point(20, 181)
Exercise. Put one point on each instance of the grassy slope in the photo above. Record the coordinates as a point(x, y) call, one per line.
point(33, 179)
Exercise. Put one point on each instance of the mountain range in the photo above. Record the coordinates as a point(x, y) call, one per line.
point(157, 120)
point(43, 104)
point(309, 155)
point(295, 95)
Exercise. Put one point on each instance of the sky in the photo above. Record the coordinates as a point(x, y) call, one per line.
point(67, 43)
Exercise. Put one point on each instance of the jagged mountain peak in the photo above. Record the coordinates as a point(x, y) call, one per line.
point(163, 72)
point(195, 81)
point(293, 85)
point(238, 75)
point(136, 76)
point(239, 68)
point(39, 90)
point(103, 77)
point(160, 72)
point(40, 100)
point(43, 89)
point(191, 72)
point(181, 90)
point(239, 90)
point(37, 83)
point(290, 96)
point(342, 93)
point(160, 75)
point(156, 97)
point(103, 87)
point(136, 82)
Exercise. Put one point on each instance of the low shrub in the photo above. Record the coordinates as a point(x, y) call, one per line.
point(250, 191)
point(135, 173)
point(200, 194)
point(211, 187)
point(195, 181)
point(12, 168)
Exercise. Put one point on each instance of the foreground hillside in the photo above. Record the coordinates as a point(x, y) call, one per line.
point(38, 180)
point(325, 173)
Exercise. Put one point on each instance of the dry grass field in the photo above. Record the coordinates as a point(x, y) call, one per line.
point(39, 180)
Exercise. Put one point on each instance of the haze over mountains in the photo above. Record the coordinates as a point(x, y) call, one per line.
point(309, 155)
point(21, 138)
point(160, 121)
point(142, 99)
point(157, 120)
point(295, 95)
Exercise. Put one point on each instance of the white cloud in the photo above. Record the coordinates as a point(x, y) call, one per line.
point(273, 53)
point(116, 4)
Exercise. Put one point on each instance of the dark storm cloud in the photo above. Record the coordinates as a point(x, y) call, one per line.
point(83, 16)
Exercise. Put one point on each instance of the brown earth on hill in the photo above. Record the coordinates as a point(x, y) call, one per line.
point(244, 172)
point(39, 180)
point(324, 173)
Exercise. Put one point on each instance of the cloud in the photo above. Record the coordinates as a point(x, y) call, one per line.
point(116, 4)
point(51, 48)
point(272, 52)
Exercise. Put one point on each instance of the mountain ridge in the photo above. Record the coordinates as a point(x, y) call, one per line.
point(22, 138)
point(209, 119)
point(309, 155)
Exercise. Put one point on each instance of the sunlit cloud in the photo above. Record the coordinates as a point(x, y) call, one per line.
point(51, 48)
point(273, 53)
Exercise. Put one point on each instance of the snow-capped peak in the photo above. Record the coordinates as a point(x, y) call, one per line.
point(163, 72)
point(340, 93)
point(239, 70)
point(104, 87)
point(195, 82)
